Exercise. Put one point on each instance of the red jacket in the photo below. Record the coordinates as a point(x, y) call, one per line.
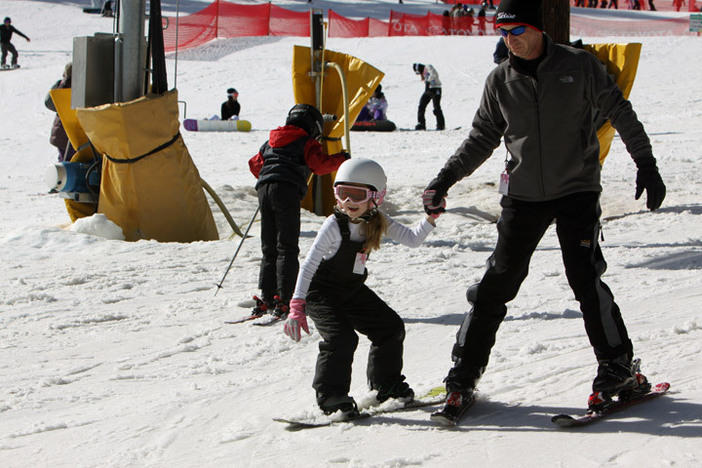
point(289, 155)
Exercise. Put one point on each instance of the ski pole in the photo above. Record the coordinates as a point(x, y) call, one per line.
point(219, 286)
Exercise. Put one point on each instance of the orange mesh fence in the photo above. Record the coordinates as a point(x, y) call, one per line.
point(223, 19)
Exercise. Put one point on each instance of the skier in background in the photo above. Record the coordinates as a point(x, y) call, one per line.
point(6, 46)
point(331, 290)
point(282, 167)
point(432, 92)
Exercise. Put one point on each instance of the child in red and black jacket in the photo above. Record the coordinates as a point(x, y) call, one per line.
point(282, 167)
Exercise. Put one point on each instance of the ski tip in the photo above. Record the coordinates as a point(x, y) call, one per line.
point(661, 387)
point(436, 391)
point(563, 420)
point(442, 419)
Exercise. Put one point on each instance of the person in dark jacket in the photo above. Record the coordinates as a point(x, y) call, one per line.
point(6, 46)
point(541, 100)
point(501, 51)
point(58, 136)
point(282, 166)
point(231, 107)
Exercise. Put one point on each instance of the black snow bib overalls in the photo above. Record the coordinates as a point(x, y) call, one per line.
point(340, 304)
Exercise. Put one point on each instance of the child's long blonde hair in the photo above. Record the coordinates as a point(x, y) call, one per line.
point(374, 230)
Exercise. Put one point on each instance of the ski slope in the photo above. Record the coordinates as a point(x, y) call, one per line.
point(116, 354)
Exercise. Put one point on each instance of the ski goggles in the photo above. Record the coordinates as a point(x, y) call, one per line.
point(355, 194)
point(518, 31)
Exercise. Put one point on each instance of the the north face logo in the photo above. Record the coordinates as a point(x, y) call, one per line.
point(566, 79)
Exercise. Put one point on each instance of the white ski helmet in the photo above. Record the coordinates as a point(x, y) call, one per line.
point(366, 172)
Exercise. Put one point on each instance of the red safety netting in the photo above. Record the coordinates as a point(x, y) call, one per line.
point(289, 23)
point(192, 30)
point(243, 20)
point(591, 26)
point(340, 26)
point(470, 2)
point(431, 24)
point(223, 19)
point(378, 28)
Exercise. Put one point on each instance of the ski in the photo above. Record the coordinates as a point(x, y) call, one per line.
point(566, 420)
point(257, 320)
point(434, 397)
point(243, 319)
point(294, 424)
point(447, 417)
point(259, 311)
point(266, 320)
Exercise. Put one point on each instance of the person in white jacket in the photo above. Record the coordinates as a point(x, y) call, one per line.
point(331, 289)
point(432, 92)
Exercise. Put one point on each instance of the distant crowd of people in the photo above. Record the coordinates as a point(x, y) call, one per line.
point(630, 4)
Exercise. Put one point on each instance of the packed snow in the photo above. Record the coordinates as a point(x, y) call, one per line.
point(117, 354)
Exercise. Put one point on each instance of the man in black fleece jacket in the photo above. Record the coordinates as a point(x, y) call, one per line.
point(541, 100)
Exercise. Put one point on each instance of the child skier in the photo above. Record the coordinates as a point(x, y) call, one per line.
point(330, 289)
point(282, 167)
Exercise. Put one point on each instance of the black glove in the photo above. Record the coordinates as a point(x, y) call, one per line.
point(434, 195)
point(648, 178)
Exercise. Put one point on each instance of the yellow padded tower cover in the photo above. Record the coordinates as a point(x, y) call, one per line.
point(361, 81)
point(77, 137)
point(150, 186)
point(622, 61)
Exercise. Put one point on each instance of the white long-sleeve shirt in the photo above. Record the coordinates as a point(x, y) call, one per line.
point(328, 240)
point(431, 76)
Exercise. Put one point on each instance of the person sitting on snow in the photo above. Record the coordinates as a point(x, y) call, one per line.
point(376, 108)
point(231, 107)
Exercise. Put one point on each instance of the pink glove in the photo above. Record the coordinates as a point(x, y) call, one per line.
point(433, 210)
point(296, 319)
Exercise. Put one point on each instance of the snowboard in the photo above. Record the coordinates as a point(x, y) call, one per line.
point(566, 420)
point(435, 396)
point(427, 129)
point(205, 125)
point(10, 67)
